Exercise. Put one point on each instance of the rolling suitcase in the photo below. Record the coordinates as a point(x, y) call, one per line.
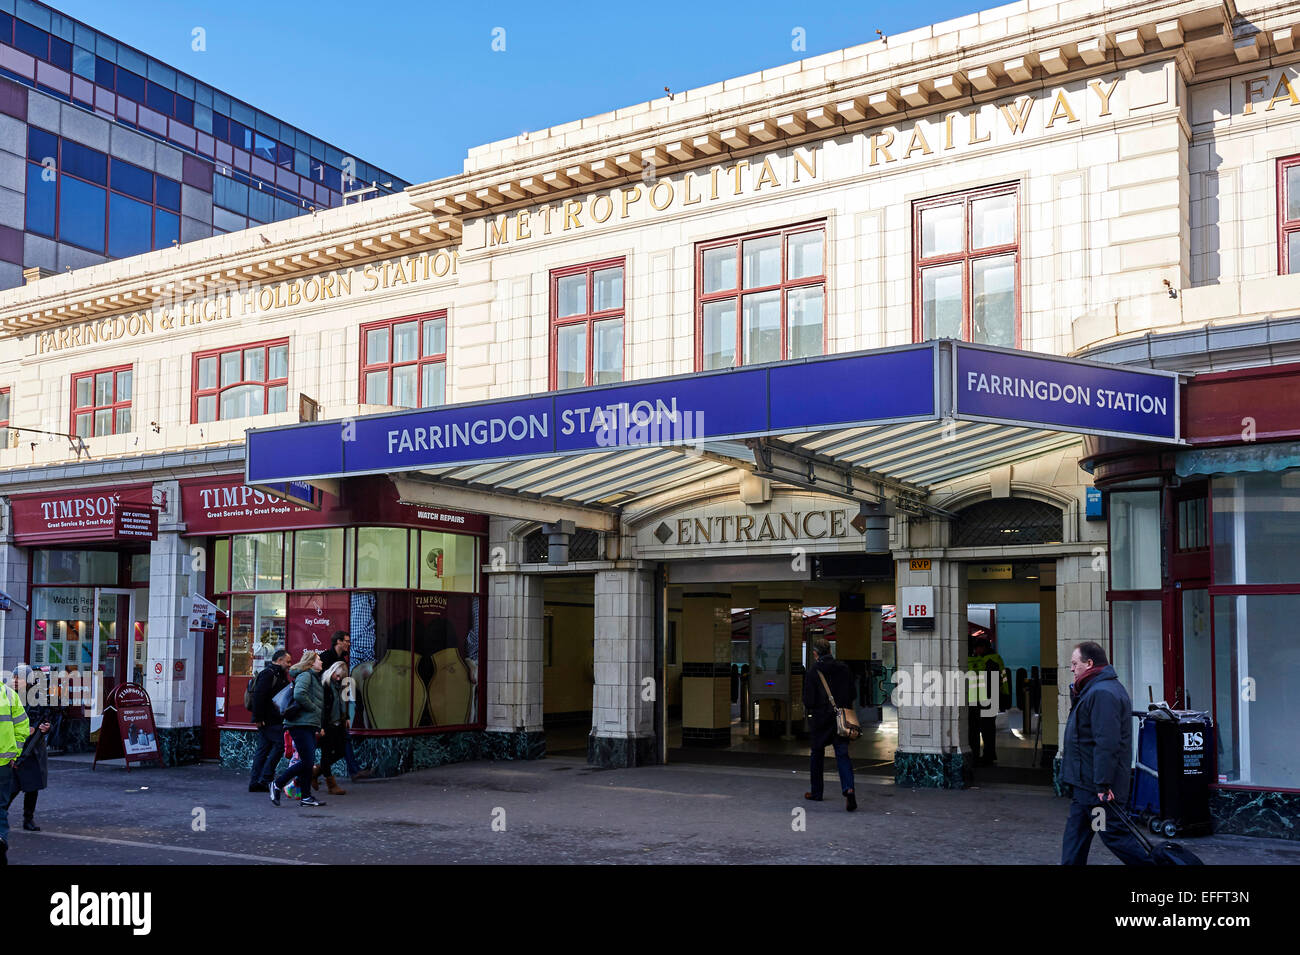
point(1167, 853)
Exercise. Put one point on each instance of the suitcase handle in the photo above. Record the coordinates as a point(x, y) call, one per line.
point(1130, 825)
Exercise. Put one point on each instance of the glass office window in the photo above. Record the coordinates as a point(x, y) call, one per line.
point(130, 226)
point(81, 214)
point(404, 360)
point(587, 324)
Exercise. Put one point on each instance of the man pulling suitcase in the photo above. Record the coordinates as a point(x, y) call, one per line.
point(1095, 759)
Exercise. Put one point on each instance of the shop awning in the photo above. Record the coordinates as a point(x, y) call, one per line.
point(894, 422)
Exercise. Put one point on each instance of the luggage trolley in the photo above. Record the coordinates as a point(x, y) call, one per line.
point(1171, 777)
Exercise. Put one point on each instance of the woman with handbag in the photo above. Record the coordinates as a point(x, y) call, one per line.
point(828, 698)
point(334, 727)
point(302, 719)
point(31, 772)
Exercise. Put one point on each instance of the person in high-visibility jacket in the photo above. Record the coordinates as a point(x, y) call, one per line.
point(983, 695)
point(14, 730)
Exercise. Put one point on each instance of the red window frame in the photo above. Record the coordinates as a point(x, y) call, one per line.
point(420, 361)
point(739, 291)
point(91, 408)
point(587, 317)
point(196, 392)
point(1285, 227)
point(966, 257)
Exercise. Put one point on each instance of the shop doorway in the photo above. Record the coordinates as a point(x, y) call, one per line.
point(119, 647)
point(568, 662)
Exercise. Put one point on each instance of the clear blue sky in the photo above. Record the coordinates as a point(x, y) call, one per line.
point(410, 86)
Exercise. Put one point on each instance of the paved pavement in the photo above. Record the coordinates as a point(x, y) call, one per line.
point(552, 810)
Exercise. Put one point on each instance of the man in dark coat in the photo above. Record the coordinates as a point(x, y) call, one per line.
point(821, 712)
point(273, 678)
point(1096, 759)
point(31, 772)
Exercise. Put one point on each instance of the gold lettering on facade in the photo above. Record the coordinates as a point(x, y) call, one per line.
point(1104, 94)
point(807, 162)
point(630, 196)
point(441, 264)
point(1283, 90)
point(1017, 115)
point(371, 277)
point(713, 177)
point(880, 143)
point(572, 209)
point(497, 231)
point(917, 143)
point(1252, 89)
point(766, 176)
point(654, 191)
point(975, 138)
point(947, 131)
point(1061, 110)
point(808, 532)
point(686, 191)
point(740, 166)
point(596, 215)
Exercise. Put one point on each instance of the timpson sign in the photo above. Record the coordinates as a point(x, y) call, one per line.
point(249, 300)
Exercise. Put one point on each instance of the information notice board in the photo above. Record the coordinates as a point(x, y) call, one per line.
point(128, 731)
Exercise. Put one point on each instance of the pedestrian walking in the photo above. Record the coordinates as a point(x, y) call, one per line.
point(821, 710)
point(31, 768)
point(14, 730)
point(272, 678)
point(334, 727)
point(1095, 760)
point(983, 696)
point(341, 650)
point(303, 721)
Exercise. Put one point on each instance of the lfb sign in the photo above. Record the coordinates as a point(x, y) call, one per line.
point(916, 607)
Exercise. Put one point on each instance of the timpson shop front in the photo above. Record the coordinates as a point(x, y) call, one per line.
point(404, 581)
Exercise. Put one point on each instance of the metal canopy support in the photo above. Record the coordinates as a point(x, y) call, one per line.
point(517, 505)
point(794, 465)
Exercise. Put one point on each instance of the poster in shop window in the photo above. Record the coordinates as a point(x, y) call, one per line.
point(441, 623)
point(313, 619)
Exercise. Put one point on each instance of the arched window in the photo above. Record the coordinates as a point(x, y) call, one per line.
point(1007, 521)
point(585, 545)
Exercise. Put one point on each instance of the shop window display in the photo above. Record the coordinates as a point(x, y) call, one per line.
point(413, 617)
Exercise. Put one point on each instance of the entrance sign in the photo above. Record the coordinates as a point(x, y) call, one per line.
point(128, 730)
point(137, 522)
point(933, 381)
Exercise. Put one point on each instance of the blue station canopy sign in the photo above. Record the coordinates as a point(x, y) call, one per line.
point(924, 382)
point(1088, 397)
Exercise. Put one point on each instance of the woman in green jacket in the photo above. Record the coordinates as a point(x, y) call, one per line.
point(303, 721)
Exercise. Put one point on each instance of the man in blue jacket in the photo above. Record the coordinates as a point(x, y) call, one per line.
point(1096, 759)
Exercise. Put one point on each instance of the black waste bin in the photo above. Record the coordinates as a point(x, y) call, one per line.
point(1185, 764)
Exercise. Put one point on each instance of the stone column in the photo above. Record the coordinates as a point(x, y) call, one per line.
point(514, 667)
point(706, 667)
point(622, 719)
point(174, 577)
point(932, 747)
point(1081, 614)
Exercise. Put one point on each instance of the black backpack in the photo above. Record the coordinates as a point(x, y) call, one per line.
point(248, 689)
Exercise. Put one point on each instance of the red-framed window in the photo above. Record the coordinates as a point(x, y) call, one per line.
point(966, 249)
point(761, 297)
point(1288, 215)
point(4, 418)
point(404, 361)
point(101, 401)
point(587, 324)
point(240, 382)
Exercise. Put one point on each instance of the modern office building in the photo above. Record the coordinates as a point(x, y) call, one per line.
point(985, 328)
point(106, 152)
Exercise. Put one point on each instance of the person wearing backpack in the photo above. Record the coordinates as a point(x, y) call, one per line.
point(303, 720)
point(260, 699)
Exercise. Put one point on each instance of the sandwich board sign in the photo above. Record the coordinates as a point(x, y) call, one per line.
point(128, 731)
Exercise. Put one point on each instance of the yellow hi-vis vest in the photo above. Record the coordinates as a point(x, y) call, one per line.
point(14, 728)
point(980, 685)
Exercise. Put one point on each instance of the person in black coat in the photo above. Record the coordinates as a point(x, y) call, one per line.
point(1096, 758)
point(821, 713)
point(273, 678)
point(31, 770)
